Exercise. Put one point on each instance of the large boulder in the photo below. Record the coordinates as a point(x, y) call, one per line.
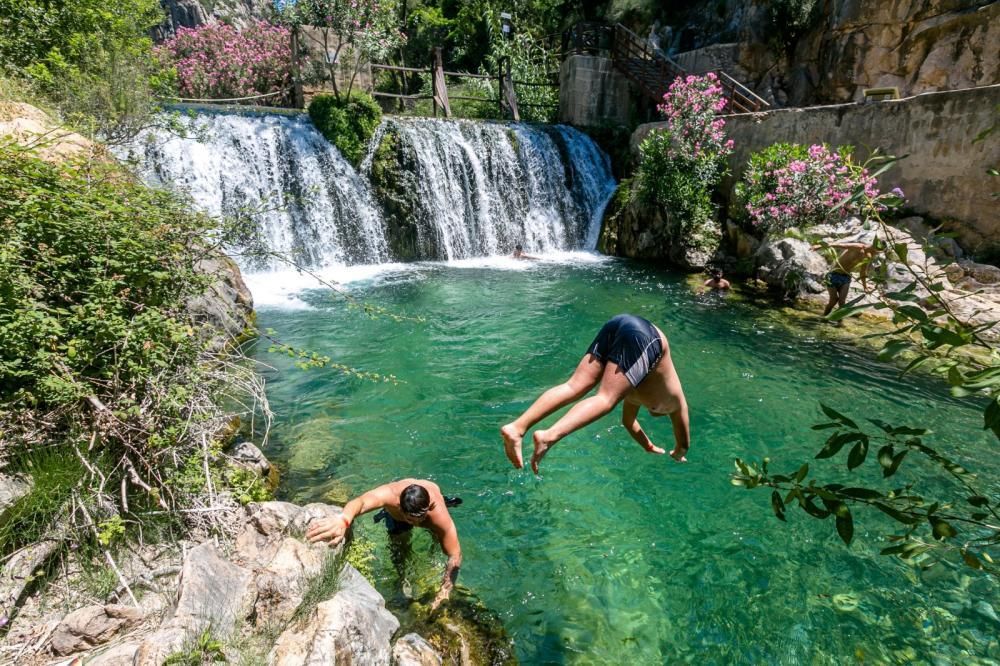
point(353, 627)
point(640, 231)
point(213, 594)
point(271, 545)
point(226, 306)
point(790, 265)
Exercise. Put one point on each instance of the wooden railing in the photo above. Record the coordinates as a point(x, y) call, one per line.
point(637, 60)
point(506, 99)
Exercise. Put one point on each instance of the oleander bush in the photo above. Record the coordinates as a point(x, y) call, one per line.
point(790, 185)
point(681, 165)
point(218, 61)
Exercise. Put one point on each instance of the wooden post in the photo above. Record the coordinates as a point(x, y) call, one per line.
point(434, 95)
point(507, 91)
point(438, 84)
point(298, 98)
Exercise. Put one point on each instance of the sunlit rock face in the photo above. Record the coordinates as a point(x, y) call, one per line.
point(914, 45)
point(192, 13)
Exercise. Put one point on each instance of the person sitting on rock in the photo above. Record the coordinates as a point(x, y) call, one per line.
point(717, 282)
point(853, 255)
point(630, 359)
point(403, 505)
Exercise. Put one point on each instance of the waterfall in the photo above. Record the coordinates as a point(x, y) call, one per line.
point(474, 188)
point(482, 187)
point(304, 199)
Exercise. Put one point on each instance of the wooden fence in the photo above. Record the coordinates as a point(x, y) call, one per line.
point(506, 99)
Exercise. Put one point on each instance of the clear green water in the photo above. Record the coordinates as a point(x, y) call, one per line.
point(615, 556)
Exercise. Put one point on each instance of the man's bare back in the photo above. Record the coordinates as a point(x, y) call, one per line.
point(660, 392)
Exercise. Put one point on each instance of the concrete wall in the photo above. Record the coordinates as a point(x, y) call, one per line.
point(592, 93)
point(945, 174)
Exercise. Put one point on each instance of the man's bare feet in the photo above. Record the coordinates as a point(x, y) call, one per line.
point(541, 448)
point(512, 444)
point(655, 449)
point(679, 456)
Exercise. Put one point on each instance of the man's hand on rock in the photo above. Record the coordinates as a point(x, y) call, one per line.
point(329, 529)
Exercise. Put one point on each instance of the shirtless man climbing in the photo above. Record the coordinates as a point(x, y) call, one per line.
point(406, 503)
point(838, 280)
point(630, 359)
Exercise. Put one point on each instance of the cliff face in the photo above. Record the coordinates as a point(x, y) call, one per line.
point(192, 13)
point(914, 45)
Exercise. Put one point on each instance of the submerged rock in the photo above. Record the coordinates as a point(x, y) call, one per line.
point(413, 650)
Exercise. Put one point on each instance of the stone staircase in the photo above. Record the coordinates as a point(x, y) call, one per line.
point(653, 73)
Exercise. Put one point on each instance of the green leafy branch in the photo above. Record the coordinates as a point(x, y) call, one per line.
point(306, 359)
point(976, 517)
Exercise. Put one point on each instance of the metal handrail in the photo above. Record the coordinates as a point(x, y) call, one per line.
point(628, 48)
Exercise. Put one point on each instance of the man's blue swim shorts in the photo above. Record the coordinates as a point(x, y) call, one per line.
point(632, 343)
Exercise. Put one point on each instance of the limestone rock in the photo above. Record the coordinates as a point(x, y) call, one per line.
point(116, 655)
point(27, 125)
point(246, 454)
point(270, 522)
point(213, 592)
point(92, 625)
point(226, 306)
point(789, 264)
point(271, 545)
point(413, 650)
point(12, 488)
point(353, 627)
point(631, 229)
point(194, 13)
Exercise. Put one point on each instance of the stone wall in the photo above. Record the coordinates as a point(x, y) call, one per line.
point(593, 94)
point(944, 175)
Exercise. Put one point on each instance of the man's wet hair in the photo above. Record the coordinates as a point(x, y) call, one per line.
point(716, 273)
point(415, 501)
point(518, 247)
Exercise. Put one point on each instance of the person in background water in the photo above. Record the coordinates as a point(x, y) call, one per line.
point(853, 255)
point(630, 360)
point(519, 254)
point(717, 282)
point(404, 504)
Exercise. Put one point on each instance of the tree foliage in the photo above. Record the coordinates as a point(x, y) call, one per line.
point(93, 59)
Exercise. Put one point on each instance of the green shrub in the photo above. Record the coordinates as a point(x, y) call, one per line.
point(97, 270)
point(93, 59)
point(348, 122)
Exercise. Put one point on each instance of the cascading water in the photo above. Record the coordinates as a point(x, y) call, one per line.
point(308, 202)
point(483, 187)
point(476, 188)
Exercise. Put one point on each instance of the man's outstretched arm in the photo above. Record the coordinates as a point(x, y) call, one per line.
point(682, 433)
point(334, 529)
point(631, 423)
point(451, 548)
